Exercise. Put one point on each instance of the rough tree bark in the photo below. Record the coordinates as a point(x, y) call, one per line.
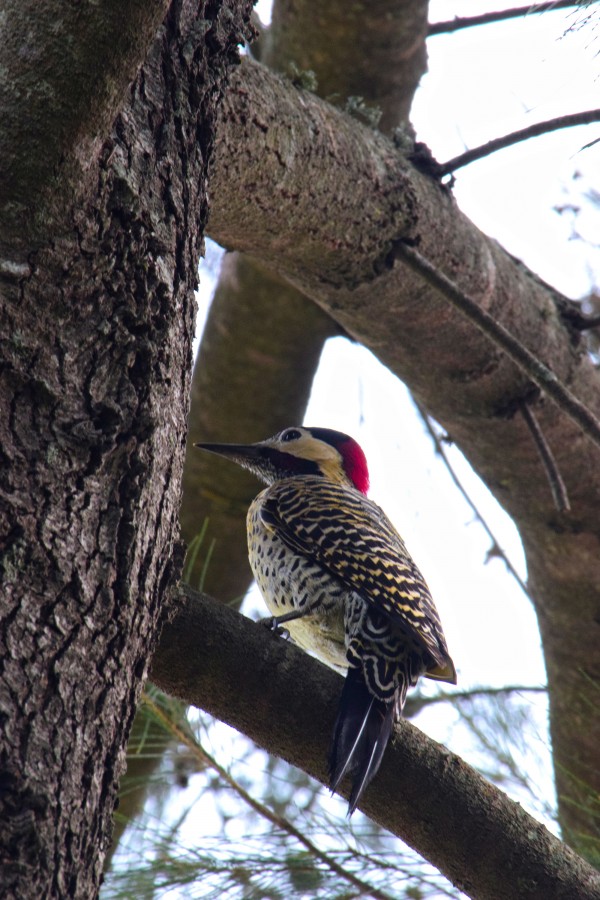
point(63, 76)
point(100, 243)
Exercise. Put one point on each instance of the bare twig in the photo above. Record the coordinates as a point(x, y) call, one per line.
point(391, 866)
point(539, 373)
point(590, 144)
point(581, 118)
point(414, 704)
point(557, 485)
point(584, 323)
point(280, 822)
point(460, 22)
point(496, 548)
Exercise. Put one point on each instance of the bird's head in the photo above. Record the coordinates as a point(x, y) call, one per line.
point(301, 451)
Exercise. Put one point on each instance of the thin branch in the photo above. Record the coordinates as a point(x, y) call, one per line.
point(416, 704)
point(557, 485)
point(278, 821)
point(581, 118)
point(583, 323)
point(539, 373)
point(460, 22)
point(383, 864)
point(496, 548)
point(590, 144)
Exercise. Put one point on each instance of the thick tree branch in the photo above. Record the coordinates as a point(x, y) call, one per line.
point(325, 201)
point(339, 239)
point(286, 702)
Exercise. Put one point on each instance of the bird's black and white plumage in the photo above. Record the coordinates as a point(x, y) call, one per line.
point(330, 564)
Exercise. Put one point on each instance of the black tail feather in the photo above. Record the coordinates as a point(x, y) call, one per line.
point(362, 731)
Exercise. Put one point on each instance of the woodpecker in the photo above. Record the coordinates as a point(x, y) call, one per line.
point(332, 567)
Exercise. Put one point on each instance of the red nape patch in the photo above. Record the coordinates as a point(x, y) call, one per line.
point(355, 464)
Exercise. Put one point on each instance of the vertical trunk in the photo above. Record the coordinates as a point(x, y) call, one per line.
point(96, 353)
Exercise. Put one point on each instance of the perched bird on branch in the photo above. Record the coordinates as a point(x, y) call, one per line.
point(332, 567)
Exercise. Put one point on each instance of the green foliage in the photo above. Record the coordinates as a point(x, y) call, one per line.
point(194, 548)
point(302, 78)
point(359, 109)
point(257, 829)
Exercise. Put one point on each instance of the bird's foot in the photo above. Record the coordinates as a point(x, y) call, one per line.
point(273, 624)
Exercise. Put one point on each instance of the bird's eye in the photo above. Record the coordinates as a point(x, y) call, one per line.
point(290, 434)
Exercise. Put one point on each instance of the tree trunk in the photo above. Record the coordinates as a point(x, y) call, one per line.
point(97, 325)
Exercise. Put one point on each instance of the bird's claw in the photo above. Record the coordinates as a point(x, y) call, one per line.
point(272, 623)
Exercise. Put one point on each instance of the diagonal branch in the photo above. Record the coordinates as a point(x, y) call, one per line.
point(586, 117)
point(286, 702)
point(460, 22)
point(539, 373)
point(495, 549)
point(557, 485)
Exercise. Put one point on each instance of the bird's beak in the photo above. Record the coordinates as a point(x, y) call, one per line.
point(254, 457)
point(233, 451)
